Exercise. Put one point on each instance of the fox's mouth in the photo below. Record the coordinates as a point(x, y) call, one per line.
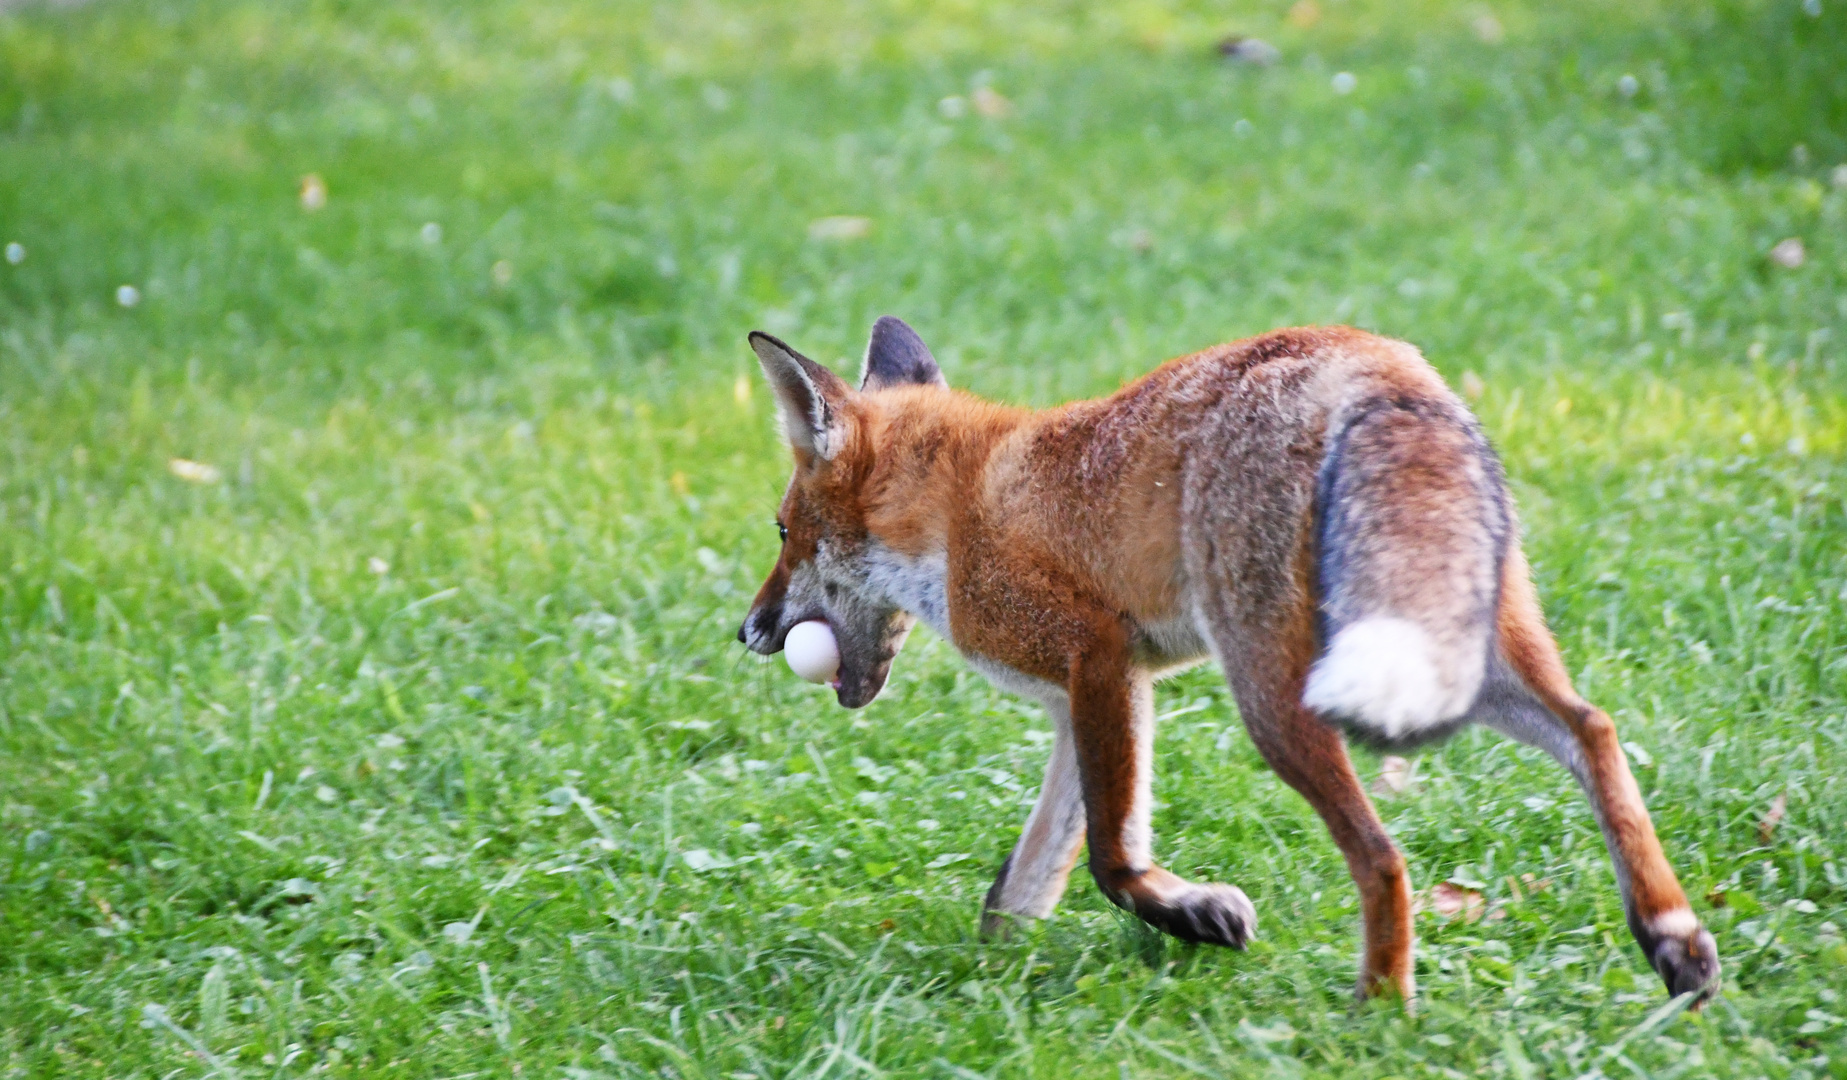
point(863, 670)
point(857, 685)
point(855, 688)
point(765, 630)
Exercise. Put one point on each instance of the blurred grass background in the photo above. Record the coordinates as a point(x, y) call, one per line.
point(415, 742)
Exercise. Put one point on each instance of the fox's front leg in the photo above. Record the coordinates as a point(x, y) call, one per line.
point(1112, 727)
point(1034, 875)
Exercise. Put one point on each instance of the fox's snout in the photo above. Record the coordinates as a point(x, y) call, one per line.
point(759, 630)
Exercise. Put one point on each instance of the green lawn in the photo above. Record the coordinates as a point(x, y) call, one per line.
point(411, 738)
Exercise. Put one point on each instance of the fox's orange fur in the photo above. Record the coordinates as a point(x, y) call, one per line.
point(1311, 508)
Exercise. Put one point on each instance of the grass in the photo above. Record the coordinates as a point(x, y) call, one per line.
point(416, 744)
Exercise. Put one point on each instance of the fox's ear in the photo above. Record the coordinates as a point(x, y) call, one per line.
point(896, 356)
point(809, 396)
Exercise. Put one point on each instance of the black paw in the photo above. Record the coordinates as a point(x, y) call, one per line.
point(1689, 963)
point(997, 925)
point(1212, 914)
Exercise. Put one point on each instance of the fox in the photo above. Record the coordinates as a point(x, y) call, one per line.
point(1313, 509)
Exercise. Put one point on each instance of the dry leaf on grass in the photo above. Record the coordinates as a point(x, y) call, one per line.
point(1249, 50)
point(1394, 776)
point(313, 192)
point(1767, 827)
point(842, 227)
point(1450, 900)
point(193, 472)
point(990, 103)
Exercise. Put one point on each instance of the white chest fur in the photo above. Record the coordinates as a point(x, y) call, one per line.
point(918, 584)
point(915, 583)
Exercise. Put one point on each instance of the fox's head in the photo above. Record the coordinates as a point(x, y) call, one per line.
point(827, 568)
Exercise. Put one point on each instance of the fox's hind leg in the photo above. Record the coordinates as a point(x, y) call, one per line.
point(1112, 722)
point(1034, 875)
point(1265, 657)
point(1311, 758)
point(1530, 698)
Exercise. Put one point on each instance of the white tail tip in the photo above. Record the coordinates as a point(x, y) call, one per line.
point(1383, 673)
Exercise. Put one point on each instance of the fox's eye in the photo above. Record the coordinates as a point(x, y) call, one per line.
point(782, 531)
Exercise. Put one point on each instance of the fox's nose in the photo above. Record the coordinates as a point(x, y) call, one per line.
point(760, 625)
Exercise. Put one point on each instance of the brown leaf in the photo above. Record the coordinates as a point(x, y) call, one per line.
point(990, 103)
point(1450, 900)
point(1394, 776)
point(1767, 826)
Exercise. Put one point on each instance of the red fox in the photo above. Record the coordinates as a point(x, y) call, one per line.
point(1313, 509)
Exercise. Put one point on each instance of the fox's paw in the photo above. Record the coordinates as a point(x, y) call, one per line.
point(1690, 963)
point(1684, 954)
point(998, 925)
point(1213, 914)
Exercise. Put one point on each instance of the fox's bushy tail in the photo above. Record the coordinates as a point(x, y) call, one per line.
point(1414, 525)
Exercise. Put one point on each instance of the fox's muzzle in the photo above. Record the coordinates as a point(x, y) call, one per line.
point(762, 631)
point(867, 647)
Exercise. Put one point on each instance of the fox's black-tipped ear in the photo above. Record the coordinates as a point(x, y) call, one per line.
point(896, 356)
point(808, 395)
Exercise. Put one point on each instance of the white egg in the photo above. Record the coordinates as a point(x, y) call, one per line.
point(811, 651)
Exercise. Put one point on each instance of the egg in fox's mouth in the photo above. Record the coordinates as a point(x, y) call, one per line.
point(812, 652)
